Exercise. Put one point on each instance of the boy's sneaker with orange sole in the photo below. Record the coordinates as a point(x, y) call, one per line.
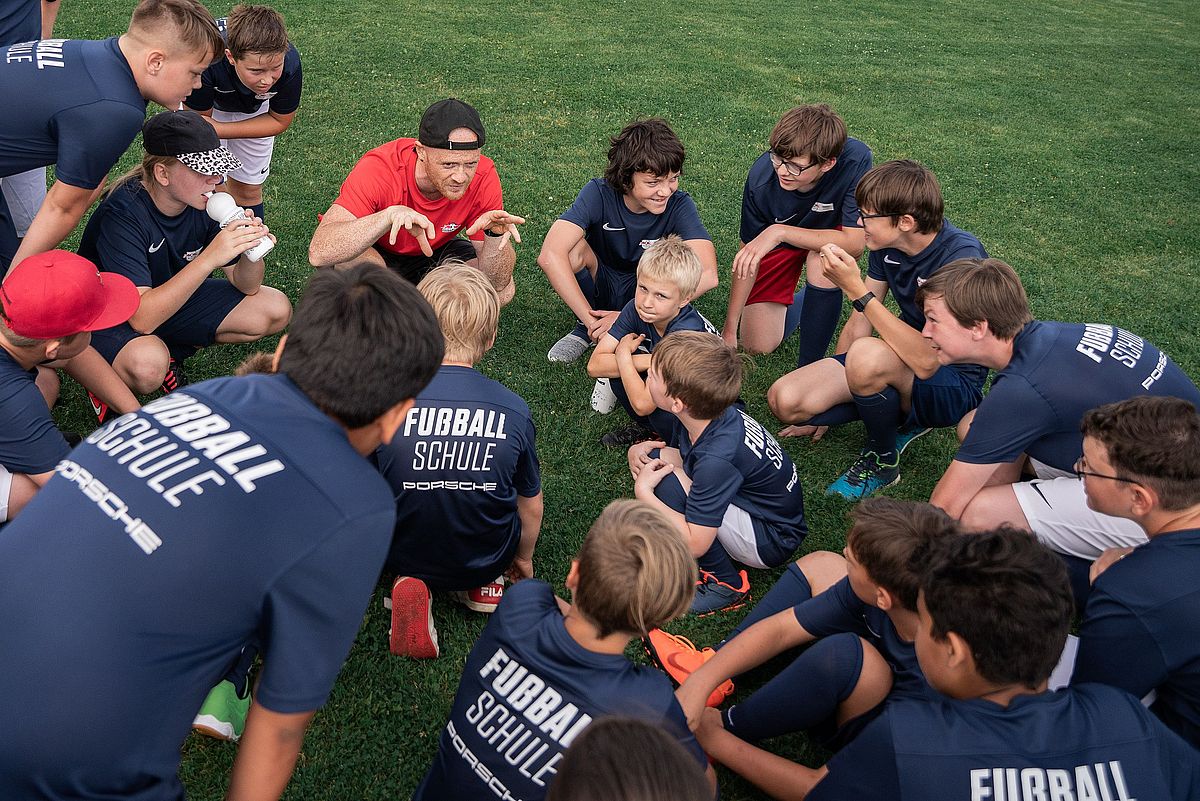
point(679, 658)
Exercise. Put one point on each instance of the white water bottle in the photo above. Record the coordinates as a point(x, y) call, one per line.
point(224, 209)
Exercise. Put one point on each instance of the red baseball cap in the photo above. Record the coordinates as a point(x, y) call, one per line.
point(57, 294)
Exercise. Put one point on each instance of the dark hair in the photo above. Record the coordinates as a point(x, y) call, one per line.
point(884, 535)
point(903, 187)
point(699, 369)
point(1007, 595)
point(255, 29)
point(1155, 441)
point(643, 146)
point(815, 130)
point(362, 341)
point(623, 759)
point(975, 290)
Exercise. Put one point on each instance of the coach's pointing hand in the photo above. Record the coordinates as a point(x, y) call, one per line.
point(499, 223)
point(417, 224)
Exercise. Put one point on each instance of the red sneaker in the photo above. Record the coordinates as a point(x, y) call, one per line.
point(99, 408)
point(412, 632)
point(482, 599)
point(679, 658)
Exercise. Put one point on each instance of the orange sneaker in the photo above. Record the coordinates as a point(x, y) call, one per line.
point(679, 658)
point(412, 631)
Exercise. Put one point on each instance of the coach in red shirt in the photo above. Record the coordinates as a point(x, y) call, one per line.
point(405, 203)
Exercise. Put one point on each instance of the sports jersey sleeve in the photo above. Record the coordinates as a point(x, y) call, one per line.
point(625, 322)
point(523, 605)
point(313, 611)
point(865, 769)
point(367, 188)
point(686, 220)
point(29, 441)
point(755, 219)
point(677, 725)
point(1115, 648)
point(287, 90)
point(1010, 417)
point(121, 248)
point(875, 266)
point(91, 138)
point(587, 208)
point(1178, 761)
point(715, 482)
point(836, 610)
point(528, 479)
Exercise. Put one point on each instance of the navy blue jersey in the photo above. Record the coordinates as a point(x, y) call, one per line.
point(905, 274)
point(229, 511)
point(827, 205)
point(79, 108)
point(456, 466)
point(1057, 373)
point(128, 235)
point(29, 441)
point(20, 21)
point(1091, 742)
point(221, 88)
point(1141, 629)
point(838, 609)
point(619, 236)
point(527, 691)
point(737, 461)
point(628, 322)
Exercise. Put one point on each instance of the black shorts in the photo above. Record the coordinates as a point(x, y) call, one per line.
point(192, 327)
point(414, 268)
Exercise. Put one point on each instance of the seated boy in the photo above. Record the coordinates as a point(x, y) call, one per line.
point(1141, 626)
point(894, 380)
point(464, 470)
point(250, 95)
point(1049, 374)
point(862, 629)
point(543, 669)
point(152, 228)
point(799, 197)
point(667, 276)
point(591, 253)
point(994, 613)
point(47, 307)
point(729, 487)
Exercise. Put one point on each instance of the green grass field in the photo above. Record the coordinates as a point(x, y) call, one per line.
point(1066, 136)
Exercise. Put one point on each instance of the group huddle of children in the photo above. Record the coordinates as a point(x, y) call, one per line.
point(922, 655)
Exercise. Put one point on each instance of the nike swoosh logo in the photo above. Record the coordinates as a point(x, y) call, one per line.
point(154, 248)
point(785, 219)
point(225, 91)
point(608, 227)
point(890, 260)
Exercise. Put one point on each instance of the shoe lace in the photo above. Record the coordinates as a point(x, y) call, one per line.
point(864, 467)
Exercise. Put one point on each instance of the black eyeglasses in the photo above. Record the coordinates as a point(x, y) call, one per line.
point(792, 168)
point(1080, 472)
point(862, 216)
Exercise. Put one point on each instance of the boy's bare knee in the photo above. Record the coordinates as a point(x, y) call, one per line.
point(143, 366)
point(822, 569)
point(868, 363)
point(276, 310)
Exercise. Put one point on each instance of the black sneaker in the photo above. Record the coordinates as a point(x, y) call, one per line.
point(627, 435)
point(175, 377)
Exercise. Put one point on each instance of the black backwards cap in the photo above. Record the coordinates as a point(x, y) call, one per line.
point(445, 116)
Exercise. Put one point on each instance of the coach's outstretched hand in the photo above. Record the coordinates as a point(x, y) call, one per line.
point(415, 223)
point(500, 223)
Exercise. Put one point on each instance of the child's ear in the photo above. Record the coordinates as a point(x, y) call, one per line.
point(573, 575)
point(883, 598)
point(958, 652)
point(278, 352)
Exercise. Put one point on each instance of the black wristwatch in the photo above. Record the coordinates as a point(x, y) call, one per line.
point(488, 232)
point(860, 305)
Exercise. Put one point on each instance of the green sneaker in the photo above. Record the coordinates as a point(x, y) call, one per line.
point(223, 714)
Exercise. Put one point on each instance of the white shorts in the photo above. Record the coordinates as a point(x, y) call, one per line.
point(255, 154)
point(24, 193)
point(736, 535)
point(5, 490)
point(1059, 516)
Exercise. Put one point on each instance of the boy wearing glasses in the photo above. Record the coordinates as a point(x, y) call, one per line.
point(799, 196)
point(893, 382)
point(1050, 375)
point(1141, 627)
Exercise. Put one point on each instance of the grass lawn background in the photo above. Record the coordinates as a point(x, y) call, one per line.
point(1065, 135)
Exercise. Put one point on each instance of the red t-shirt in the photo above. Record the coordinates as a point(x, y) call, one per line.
point(386, 176)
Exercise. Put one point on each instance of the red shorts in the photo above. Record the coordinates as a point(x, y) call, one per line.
point(778, 273)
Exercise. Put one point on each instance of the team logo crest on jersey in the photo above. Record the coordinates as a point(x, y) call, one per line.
point(921, 281)
point(819, 206)
point(450, 228)
point(646, 243)
point(191, 254)
point(265, 96)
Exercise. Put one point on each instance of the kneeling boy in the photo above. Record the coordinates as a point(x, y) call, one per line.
point(667, 277)
point(464, 471)
point(729, 487)
point(543, 669)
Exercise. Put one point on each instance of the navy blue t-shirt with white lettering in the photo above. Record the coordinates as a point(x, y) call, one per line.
point(1058, 372)
point(227, 512)
point(1141, 629)
point(1087, 742)
point(527, 691)
point(619, 236)
point(221, 88)
point(737, 461)
point(20, 21)
point(29, 441)
point(456, 466)
point(827, 205)
point(128, 235)
point(71, 103)
point(838, 609)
